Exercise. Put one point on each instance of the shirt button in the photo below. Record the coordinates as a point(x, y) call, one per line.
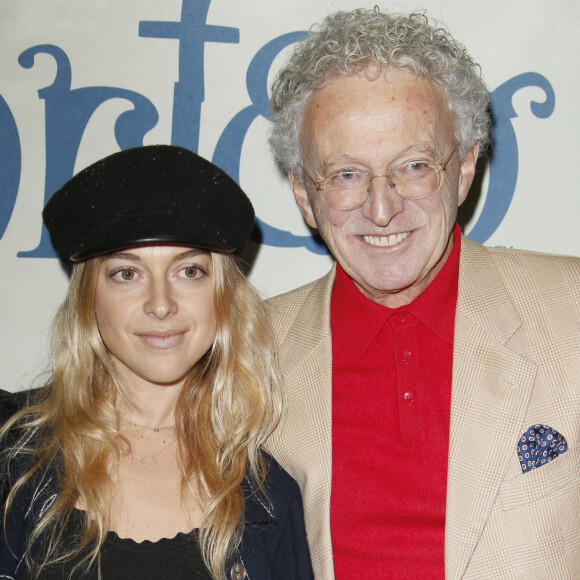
point(408, 397)
point(407, 356)
point(400, 317)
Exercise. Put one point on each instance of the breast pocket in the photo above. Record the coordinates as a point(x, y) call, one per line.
point(560, 477)
point(545, 504)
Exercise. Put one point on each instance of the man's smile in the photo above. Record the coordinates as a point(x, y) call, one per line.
point(385, 241)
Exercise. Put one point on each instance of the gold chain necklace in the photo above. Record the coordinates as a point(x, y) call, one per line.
point(156, 429)
point(142, 458)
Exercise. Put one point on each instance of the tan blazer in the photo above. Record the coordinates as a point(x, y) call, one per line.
point(516, 363)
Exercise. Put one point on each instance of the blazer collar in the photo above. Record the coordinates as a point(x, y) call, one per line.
point(303, 441)
point(482, 295)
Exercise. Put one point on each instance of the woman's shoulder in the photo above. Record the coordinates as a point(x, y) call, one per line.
point(280, 550)
point(277, 477)
point(11, 403)
point(276, 494)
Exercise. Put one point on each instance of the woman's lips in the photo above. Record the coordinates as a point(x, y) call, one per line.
point(162, 339)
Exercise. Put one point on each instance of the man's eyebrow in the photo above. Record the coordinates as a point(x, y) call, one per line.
point(420, 148)
point(336, 159)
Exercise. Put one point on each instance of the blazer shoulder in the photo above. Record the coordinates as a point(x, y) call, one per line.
point(524, 269)
point(293, 299)
point(533, 272)
point(313, 299)
point(501, 289)
point(528, 258)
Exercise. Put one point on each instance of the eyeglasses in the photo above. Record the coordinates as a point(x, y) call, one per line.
point(348, 189)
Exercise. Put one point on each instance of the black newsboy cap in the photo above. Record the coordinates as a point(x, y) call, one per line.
point(158, 194)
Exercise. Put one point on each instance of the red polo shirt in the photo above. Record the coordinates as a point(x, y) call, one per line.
point(391, 397)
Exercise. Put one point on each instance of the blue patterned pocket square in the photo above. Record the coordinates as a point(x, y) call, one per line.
point(540, 444)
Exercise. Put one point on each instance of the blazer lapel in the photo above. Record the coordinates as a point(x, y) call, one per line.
point(491, 388)
point(306, 357)
point(303, 441)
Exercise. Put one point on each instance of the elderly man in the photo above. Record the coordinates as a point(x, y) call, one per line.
point(434, 414)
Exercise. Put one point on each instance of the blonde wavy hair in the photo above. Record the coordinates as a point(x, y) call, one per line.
point(230, 403)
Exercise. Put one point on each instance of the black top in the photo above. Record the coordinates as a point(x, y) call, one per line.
point(178, 558)
point(273, 545)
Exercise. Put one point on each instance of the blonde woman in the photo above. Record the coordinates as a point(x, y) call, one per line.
point(141, 456)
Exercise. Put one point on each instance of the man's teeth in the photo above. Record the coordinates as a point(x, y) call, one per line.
point(385, 241)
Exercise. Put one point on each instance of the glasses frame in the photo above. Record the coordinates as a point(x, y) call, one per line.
point(439, 167)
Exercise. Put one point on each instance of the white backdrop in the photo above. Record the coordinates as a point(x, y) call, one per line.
point(122, 54)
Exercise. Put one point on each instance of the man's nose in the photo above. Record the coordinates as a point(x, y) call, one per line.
point(383, 202)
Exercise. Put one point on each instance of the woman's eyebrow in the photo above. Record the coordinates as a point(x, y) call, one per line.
point(123, 256)
point(190, 254)
point(135, 258)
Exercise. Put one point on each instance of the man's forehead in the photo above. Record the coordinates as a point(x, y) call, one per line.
point(359, 94)
point(390, 78)
point(396, 106)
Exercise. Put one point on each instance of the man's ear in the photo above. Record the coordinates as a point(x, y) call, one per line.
point(467, 173)
point(301, 197)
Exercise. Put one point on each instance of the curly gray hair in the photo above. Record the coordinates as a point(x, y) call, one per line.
point(346, 43)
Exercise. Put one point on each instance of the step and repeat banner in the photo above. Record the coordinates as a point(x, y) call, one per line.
point(80, 79)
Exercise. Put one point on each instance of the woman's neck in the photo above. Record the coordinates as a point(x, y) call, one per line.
point(153, 408)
